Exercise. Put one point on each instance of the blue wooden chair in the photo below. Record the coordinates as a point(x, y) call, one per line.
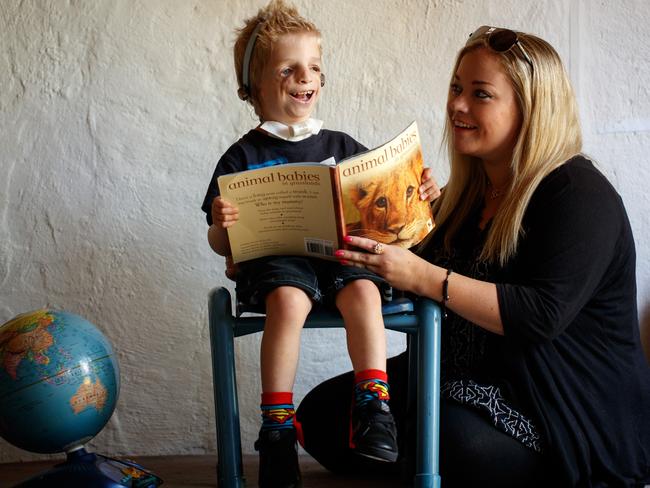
point(419, 319)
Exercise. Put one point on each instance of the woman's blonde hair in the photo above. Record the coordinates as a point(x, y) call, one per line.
point(549, 136)
point(277, 19)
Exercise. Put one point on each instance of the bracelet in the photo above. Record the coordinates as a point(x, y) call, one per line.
point(445, 294)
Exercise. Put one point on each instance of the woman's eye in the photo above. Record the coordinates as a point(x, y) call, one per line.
point(455, 89)
point(482, 94)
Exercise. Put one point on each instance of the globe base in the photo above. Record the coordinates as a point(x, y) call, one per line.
point(82, 469)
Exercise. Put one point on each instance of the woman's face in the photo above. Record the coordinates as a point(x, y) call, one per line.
point(482, 108)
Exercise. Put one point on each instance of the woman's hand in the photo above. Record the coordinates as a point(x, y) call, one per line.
point(399, 266)
point(224, 213)
point(429, 189)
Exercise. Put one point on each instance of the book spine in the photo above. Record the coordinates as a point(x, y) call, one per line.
point(338, 206)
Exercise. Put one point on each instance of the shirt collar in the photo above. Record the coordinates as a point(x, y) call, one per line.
point(293, 133)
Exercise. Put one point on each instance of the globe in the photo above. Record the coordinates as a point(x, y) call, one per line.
point(59, 381)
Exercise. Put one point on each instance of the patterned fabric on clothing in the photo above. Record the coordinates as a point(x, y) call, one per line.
point(488, 398)
point(278, 411)
point(370, 384)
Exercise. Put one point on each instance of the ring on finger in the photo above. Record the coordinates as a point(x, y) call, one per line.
point(378, 249)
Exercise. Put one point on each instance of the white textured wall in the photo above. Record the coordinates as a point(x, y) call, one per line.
point(113, 114)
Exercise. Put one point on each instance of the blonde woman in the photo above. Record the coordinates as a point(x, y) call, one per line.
point(533, 260)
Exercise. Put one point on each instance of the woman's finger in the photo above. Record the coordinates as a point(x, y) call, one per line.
point(429, 189)
point(355, 258)
point(361, 242)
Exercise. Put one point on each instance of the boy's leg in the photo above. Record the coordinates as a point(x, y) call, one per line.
point(286, 310)
point(360, 304)
point(373, 431)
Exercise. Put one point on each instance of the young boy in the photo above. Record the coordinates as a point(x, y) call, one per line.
point(278, 64)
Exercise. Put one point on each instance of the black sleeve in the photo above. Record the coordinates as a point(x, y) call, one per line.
point(226, 165)
point(572, 226)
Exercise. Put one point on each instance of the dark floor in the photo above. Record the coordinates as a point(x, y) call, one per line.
point(199, 472)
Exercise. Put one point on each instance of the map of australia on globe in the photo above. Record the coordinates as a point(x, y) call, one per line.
point(59, 381)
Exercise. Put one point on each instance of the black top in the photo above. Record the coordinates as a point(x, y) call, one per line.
point(256, 150)
point(570, 358)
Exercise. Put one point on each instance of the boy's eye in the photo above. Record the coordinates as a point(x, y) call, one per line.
point(316, 69)
point(285, 72)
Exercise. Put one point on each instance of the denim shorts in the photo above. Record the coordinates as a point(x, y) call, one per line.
point(318, 278)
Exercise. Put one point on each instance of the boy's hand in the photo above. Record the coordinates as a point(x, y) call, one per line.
point(224, 213)
point(429, 189)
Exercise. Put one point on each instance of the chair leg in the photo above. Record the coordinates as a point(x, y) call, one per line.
point(428, 409)
point(229, 467)
point(410, 427)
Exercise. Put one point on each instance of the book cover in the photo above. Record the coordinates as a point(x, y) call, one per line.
point(380, 194)
point(287, 209)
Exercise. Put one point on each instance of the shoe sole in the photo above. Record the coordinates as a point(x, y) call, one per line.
point(378, 455)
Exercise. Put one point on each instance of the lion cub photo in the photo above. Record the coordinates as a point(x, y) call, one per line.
point(389, 208)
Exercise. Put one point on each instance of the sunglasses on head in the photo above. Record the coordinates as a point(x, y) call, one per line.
point(499, 40)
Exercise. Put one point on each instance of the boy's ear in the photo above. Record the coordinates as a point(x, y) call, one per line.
point(322, 80)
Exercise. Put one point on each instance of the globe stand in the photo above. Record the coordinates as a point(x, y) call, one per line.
point(82, 469)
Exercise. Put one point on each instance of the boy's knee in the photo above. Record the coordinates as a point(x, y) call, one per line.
point(287, 298)
point(359, 292)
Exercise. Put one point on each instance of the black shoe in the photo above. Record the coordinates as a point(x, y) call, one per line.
point(278, 459)
point(373, 431)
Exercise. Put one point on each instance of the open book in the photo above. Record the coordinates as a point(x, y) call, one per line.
point(307, 208)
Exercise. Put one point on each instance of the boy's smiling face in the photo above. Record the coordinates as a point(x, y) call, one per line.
point(290, 83)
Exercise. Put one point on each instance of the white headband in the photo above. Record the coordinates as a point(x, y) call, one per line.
point(244, 91)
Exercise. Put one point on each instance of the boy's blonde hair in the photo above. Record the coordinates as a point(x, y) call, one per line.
point(277, 19)
point(549, 136)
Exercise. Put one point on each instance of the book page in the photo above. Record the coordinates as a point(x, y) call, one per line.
point(380, 192)
point(283, 210)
